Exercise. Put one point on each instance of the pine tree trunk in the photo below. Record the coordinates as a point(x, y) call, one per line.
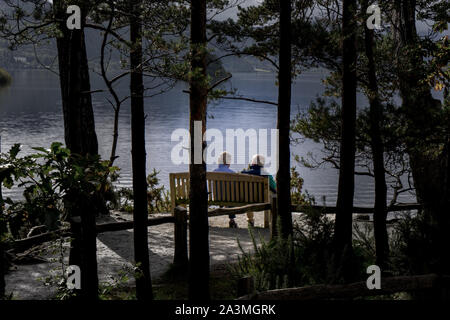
point(284, 121)
point(140, 211)
point(376, 120)
point(343, 224)
point(79, 124)
point(198, 202)
point(80, 135)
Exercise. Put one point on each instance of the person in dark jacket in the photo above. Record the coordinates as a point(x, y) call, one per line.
point(257, 169)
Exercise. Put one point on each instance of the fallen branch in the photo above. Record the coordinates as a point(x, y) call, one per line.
point(354, 290)
point(24, 244)
point(356, 210)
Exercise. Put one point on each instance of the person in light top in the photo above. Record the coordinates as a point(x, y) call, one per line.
point(224, 161)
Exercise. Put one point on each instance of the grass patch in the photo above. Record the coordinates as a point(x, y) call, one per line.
point(174, 285)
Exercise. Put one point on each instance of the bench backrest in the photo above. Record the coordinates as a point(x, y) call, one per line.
point(224, 189)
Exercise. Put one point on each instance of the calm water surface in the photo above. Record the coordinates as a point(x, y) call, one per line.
point(30, 114)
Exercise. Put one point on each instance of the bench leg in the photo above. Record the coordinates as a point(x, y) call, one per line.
point(250, 217)
point(267, 219)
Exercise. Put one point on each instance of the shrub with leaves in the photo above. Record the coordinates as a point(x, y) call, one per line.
point(55, 182)
point(414, 247)
point(311, 251)
point(158, 197)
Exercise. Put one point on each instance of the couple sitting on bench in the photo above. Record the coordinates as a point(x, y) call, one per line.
point(256, 169)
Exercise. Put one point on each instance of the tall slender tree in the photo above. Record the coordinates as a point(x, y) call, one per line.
point(284, 120)
point(79, 124)
point(343, 225)
point(198, 202)
point(80, 137)
point(376, 119)
point(140, 211)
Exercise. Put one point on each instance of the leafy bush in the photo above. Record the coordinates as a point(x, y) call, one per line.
point(306, 258)
point(158, 198)
point(55, 184)
point(415, 245)
point(302, 260)
point(297, 194)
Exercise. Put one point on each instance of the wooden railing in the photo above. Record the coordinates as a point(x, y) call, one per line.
point(180, 218)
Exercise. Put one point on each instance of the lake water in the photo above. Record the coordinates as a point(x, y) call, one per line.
point(31, 114)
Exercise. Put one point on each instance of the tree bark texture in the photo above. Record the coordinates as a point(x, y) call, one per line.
point(79, 124)
point(198, 202)
point(80, 137)
point(376, 120)
point(140, 212)
point(284, 121)
point(343, 224)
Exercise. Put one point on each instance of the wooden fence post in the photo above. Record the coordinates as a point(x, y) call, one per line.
point(180, 259)
point(273, 225)
point(75, 241)
point(245, 286)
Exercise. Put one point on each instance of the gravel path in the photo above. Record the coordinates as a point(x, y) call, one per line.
point(115, 252)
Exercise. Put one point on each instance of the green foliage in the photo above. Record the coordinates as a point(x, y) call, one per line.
point(158, 197)
point(298, 261)
point(255, 33)
point(416, 245)
point(57, 277)
point(118, 288)
point(173, 285)
point(124, 200)
point(310, 250)
point(321, 123)
point(55, 183)
point(270, 264)
point(297, 194)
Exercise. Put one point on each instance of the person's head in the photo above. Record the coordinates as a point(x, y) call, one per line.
point(258, 160)
point(224, 158)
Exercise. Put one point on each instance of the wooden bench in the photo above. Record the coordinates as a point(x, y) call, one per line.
point(224, 189)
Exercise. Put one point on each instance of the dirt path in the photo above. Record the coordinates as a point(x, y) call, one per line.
point(115, 251)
